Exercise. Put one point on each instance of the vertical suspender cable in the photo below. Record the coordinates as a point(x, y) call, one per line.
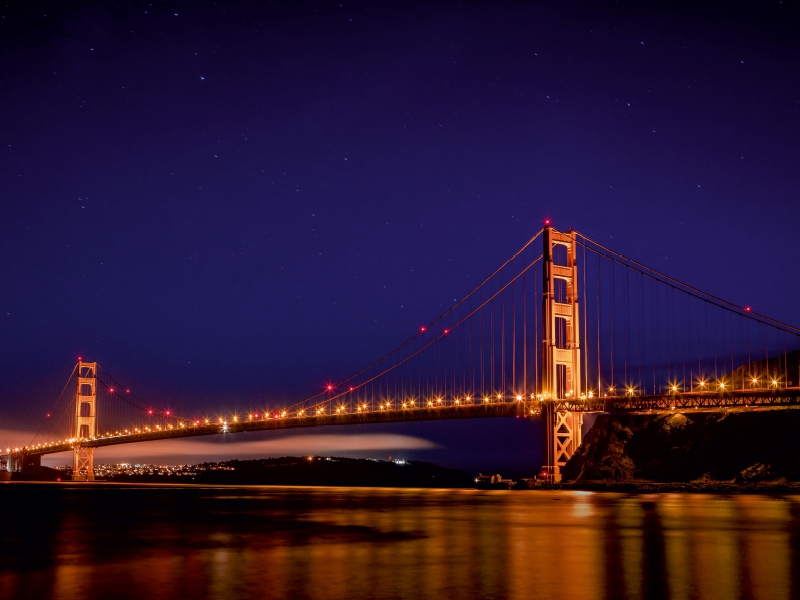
point(716, 372)
point(513, 332)
point(766, 350)
point(482, 345)
point(473, 321)
point(626, 325)
point(723, 350)
point(585, 327)
point(640, 332)
point(611, 308)
point(683, 345)
point(538, 342)
point(525, 334)
point(733, 383)
point(597, 311)
point(503, 341)
point(785, 363)
point(491, 359)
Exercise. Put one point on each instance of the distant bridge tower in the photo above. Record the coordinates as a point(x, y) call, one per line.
point(561, 350)
point(85, 421)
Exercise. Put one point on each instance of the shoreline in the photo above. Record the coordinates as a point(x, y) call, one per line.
point(718, 488)
point(693, 487)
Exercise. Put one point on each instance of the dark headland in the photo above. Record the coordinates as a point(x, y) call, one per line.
point(730, 451)
point(721, 451)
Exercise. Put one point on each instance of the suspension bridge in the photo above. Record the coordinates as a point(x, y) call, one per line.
point(558, 330)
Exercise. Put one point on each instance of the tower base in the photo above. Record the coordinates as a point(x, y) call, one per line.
point(561, 436)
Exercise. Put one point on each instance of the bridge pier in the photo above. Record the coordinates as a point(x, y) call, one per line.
point(21, 462)
point(11, 462)
point(31, 464)
point(561, 436)
point(82, 464)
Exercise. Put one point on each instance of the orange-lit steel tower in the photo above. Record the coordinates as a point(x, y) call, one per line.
point(561, 350)
point(85, 421)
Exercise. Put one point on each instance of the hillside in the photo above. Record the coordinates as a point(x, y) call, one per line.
point(734, 445)
point(783, 368)
point(317, 470)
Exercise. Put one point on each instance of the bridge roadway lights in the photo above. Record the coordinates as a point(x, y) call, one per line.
point(472, 411)
point(503, 409)
point(739, 399)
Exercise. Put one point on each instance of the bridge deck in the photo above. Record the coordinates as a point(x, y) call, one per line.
point(475, 411)
point(746, 399)
point(699, 400)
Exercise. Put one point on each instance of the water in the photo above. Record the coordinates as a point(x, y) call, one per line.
point(108, 541)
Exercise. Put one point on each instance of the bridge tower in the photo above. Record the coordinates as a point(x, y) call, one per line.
point(85, 421)
point(561, 350)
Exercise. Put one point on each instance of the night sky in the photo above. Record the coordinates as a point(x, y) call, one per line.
point(231, 204)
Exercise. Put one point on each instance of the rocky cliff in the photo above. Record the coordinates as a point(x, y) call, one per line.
point(734, 445)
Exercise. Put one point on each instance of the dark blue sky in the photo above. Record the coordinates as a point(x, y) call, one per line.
point(231, 203)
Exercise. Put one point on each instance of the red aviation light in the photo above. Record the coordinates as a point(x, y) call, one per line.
point(111, 390)
point(150, 412)
point(747, 309)
point(127, 391)
point(422, 328)
point(547, 222)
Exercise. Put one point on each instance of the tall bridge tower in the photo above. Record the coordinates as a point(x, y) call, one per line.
point(561, 350)
point(85, 421)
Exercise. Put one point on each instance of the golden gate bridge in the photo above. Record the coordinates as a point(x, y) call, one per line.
point(558, 330)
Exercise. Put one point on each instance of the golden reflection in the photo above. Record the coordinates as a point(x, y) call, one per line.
point(676, 546)
point(492, 553)
point(273, 542)
point(714, 546)
point(767, 543)
point(629, 520)
point(583, 506)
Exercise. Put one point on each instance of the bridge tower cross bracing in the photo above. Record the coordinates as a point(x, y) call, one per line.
point(561, 350)
point(85, 421)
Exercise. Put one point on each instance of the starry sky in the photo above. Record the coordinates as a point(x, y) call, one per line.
point(232, 203)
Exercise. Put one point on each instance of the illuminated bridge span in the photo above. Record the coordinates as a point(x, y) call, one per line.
point(550, 334)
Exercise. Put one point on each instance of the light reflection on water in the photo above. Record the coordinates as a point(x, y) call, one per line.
point(109, 541)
